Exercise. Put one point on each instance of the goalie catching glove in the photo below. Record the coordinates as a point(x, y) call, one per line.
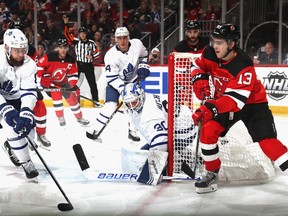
point(200, 82)
point(143, 70)
point(205, 112)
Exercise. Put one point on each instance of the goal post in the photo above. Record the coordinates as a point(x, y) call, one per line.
point(243, 162)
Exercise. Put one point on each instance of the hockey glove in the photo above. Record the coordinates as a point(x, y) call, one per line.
point(143, 70)
point(25, 122)
point(9, 114)
point(205, 112)
point(201, 88)
point(46, 80)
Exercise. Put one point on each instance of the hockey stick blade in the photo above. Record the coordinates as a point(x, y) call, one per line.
point(81, 158)
point(187, 170)
point(65, 207)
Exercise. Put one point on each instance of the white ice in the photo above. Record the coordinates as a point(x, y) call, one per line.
point(21, 197)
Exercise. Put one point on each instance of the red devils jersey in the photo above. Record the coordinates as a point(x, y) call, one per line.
point(61, 71)
point(235, 79)
point(184, 46)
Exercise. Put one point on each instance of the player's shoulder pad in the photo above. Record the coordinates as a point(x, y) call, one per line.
point(179, 46)
point(240, 62)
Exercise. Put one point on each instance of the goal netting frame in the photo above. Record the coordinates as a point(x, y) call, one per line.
point(243, 162)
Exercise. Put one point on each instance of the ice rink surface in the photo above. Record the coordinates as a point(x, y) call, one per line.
point(21, 197)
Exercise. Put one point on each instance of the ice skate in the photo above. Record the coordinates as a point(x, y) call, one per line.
point(133, 136)
point(83, 122)
point(30, 170)
point(93, 135)
point(14, 159)
point(62, 121)
point(97, 104)
point(208, 183)
point(43, 140)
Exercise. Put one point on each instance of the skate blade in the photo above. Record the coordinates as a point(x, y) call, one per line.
point(209, 189)
point(44, 147)
point(33, 180)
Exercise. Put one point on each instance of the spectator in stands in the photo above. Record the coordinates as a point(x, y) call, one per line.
point(210, 13)
point(285, 61)
point(155, 12)
point(47, 8)
point(142, 13)
point(106, 23)
point(99, 59)
point(134, 30)
point(269, 56)
point(193, 42)
point(51, 34)
point(5, 13)
point(94, 28)
point(154, 56)
point(104, 7)
point(97, 37)
point(41, 42)
point(88, 20)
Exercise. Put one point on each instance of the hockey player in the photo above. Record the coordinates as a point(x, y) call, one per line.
point(193, 43)
point(59, 70)
point(149, 114)
point(17, 97)
point(239, 95)
point(126, 62)
point(40, 110)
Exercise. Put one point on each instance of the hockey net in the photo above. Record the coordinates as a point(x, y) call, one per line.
point(243, 162)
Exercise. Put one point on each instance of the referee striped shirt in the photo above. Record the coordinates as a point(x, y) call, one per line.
point(82, 49)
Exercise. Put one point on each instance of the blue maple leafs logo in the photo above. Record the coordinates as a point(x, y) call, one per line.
point(6, 88)
point(128, 73)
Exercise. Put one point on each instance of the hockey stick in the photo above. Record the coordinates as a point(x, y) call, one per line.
point(61, 206)
point(74, 88)
point(94, 135)
point(184, 166)
point(110, 176)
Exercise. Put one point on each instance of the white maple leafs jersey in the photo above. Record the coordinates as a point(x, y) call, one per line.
point(151, 122)
point(18, 82)
point(121, 68)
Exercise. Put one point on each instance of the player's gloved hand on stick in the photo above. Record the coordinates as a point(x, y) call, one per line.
point(46, 80)
point(143, 70)
point(205, 112)
point(9, 114)
point(201, 88)
point(25, 122)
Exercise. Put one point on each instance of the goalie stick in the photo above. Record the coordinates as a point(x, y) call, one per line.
point(61, 206)
point(110, 176)
point(74, 88)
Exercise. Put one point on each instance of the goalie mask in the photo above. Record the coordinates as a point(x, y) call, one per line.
point(133, 97)
point(14, 38)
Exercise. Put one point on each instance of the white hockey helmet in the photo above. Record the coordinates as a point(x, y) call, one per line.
point(133, 97)
point(121, 31)
point(15, 38)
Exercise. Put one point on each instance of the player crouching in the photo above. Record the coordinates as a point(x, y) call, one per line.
point(146, 112)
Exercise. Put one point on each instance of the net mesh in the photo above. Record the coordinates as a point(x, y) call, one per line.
point(243, 162)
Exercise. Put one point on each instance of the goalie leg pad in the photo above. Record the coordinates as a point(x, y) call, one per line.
point(152, 170)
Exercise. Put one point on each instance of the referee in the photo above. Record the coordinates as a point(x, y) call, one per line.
point(86, 51)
